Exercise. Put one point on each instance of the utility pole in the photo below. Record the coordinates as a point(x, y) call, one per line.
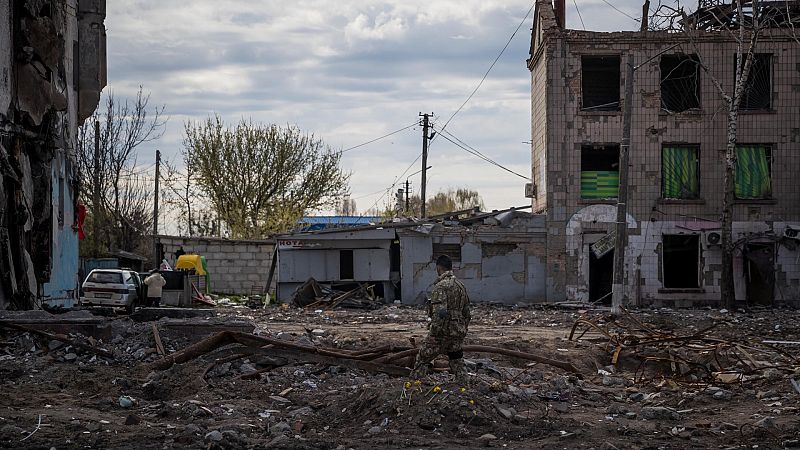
point(408, 189)
point(96, 190)
point(621, 241)
point(155, 209)
point(425, 126)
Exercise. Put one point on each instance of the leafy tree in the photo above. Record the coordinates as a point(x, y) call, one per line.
point(260, 179)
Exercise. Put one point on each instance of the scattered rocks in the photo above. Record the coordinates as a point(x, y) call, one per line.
point(766, 422)
point(723, 394)
point(281, 427)
point(658, 413)
point(126, 401)
point(375, 430)
point(69, 357)
point(213, 436)
point(488, 437)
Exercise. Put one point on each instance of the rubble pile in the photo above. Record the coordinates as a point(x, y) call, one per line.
point(275, 386)
point(312, 294)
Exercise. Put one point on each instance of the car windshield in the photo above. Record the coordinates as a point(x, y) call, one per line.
point(105, 277)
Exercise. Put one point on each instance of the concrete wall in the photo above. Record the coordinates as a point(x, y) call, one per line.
point(236, 267)
point(559, 53)
point(502, 265)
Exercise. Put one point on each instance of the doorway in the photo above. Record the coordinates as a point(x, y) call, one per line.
point(759, 266)
point(601, 276)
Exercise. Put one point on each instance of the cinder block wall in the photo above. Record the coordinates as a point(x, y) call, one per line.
point(236, 267)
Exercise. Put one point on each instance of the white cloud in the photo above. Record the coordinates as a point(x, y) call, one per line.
point(347, 71)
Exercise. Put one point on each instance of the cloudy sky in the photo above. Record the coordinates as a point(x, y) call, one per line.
point(349, 71)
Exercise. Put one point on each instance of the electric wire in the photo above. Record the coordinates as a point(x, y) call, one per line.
point(469, 149)
point(621, 11)
point(379, 138)
point(575, 2)
point(490, 68)
point(390, 188)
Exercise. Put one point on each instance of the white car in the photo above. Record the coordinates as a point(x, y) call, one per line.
point(112, 287)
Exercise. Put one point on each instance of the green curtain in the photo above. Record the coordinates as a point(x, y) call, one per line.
point(597, 184)
point(679, 172)
point(752, 172)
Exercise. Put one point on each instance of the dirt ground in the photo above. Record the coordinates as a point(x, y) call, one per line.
point(672, 396)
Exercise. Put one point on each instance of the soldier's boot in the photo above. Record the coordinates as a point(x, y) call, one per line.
point(420, 369)
point(460, 373)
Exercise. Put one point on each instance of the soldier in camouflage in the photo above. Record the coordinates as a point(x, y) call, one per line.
point(448, 309)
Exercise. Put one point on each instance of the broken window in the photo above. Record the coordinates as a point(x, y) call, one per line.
point(599, 171)
point(451, 250)
point(681, 261)
point(757, 92)
point(753, 172)
point(346, 271)
point(680, 172)
point(680, 83)
point(600, 83)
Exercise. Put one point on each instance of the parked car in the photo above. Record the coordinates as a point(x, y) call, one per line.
point(112, 287)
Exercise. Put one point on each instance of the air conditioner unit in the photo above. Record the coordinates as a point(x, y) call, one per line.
point(791, 233)
point(530, 190)
point(713, 238)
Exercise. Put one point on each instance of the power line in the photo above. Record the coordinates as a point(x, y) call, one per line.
point(621, 11)
point(490, 68)
point(379, 138)
point(467, 148)
point(574, 2)
point(390, 188)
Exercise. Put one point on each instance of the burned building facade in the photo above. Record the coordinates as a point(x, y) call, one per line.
point(678, 141)
point(52, 70)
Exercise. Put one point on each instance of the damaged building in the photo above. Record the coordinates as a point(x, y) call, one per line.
point(52, 70)
point(499, 256)
point(678, 141)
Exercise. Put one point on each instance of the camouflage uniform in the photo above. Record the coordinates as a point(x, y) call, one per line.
point(450, 316)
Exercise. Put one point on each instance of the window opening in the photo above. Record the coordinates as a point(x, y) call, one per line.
point(757, 92)
point(680, 172)
point(680, 86)
point(753, 172)
point(681, 261)
point(599, 171)
point(346, 265)
point(600, 83)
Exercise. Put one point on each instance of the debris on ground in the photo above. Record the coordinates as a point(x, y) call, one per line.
point(284, 377)
point(313, 294)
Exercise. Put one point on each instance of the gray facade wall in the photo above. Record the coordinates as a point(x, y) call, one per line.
point(571, 219)
point(497, 264)
point(239, 267)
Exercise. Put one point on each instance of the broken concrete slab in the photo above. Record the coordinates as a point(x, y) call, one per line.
point(153, 314)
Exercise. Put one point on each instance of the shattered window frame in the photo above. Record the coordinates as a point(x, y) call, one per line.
point(680, 85)
point(595, 96)
point(596, 178)
point(757, 93)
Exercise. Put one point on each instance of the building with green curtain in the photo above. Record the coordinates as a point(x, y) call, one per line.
point(677, 157)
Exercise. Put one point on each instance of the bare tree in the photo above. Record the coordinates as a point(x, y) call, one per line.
point(111, 177)
point(742, 22)
point(260, 179)
point(446, 201)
